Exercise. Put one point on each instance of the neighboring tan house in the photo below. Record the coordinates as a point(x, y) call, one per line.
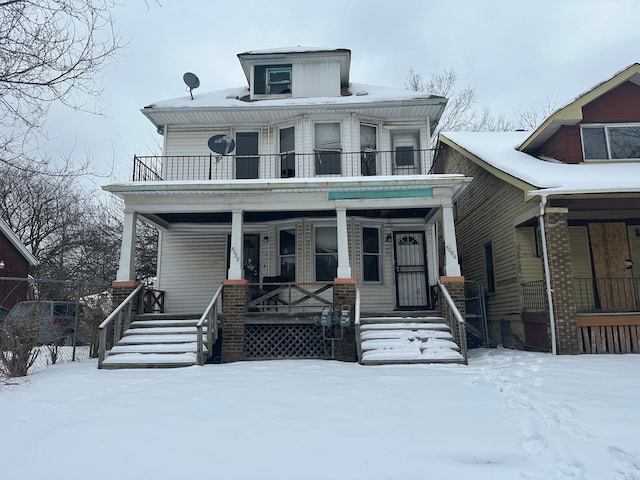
point(552, 218)
point(15, 261)
point(301, 183)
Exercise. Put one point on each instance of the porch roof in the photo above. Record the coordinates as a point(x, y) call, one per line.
point(304, 194)
point(498, 150)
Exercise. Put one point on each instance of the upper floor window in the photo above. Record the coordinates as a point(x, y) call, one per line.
point(327, 148)
point(368, 147)
point(406, 160)
point(611, 142)
point(287, 152)
point(272, 80)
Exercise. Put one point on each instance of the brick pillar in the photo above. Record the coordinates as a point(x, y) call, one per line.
point(344, 293)
point(234, 309)
point(561, 272)
point(455, 287)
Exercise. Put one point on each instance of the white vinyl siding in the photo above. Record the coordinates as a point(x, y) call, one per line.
point(317, 79)
point(191, 269)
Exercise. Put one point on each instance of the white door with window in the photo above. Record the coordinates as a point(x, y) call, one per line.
point(411, 270)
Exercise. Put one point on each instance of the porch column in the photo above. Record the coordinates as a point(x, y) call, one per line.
point(451, 264)
point(127, 265)
point(344, 268)
point(235, 258)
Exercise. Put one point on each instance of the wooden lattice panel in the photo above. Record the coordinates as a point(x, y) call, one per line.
point(283, 341)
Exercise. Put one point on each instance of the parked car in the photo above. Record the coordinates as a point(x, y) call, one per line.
point(56, 321)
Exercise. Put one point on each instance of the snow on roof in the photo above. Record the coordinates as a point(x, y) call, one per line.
point(498, 149)
point(297, 49)
point(230, 97)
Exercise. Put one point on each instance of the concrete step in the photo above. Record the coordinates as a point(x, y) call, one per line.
point(159, 338)
point(155, 348)
point(149, 360)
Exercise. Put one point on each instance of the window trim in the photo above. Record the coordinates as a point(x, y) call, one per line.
point(606, 127)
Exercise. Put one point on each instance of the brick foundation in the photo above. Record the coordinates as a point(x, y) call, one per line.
point(344, 293)
point(561, 271)
point(234, 308)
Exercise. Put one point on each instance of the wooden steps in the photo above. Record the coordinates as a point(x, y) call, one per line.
point(388, 340)
point(154, 342)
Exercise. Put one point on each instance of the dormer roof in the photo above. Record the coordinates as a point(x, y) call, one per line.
point(571, 114)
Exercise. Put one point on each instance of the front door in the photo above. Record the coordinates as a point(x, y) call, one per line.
point(411, 270)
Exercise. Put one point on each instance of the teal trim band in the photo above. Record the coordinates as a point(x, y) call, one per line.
point(371, 194)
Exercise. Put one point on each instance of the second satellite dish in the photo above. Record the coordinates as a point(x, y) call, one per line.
point(221, 144)
point(192, 82)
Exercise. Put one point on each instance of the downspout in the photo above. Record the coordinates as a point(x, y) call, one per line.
point(547, 275)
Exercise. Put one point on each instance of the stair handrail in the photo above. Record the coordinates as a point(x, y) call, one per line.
point(121, 319)
point(210, 318)
point(453, 310)
point(356, 323)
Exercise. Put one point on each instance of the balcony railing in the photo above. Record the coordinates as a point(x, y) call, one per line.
point(592, 295)
point(280, 165)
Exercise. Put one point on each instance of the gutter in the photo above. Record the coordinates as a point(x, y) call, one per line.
point(547, 275)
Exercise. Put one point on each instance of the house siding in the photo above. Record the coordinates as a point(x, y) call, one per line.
point(316, 79)
point(622, 104)
point(15, 265)
point(486, 213)
point(564, 145)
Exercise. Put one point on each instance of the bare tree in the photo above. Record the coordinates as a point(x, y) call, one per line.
point(532, 118)
point(50, 51)
point(461, 112)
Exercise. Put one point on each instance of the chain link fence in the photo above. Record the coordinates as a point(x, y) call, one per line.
point(45, 322)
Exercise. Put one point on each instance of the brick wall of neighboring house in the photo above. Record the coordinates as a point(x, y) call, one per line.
point(15, 265)
point(234, 308)
point(344, 293)
point(560, 269)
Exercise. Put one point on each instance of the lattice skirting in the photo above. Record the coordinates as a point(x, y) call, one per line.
point(283, 341)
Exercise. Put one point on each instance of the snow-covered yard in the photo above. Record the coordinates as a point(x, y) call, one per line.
point(507, 415)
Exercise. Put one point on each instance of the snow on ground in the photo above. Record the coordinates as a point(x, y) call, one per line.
point(507, 415)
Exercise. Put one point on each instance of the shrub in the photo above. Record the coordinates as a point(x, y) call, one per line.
point(18, 348)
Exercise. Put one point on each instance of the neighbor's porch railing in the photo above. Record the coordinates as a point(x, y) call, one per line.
point(324, 164)
point(289, 297)
point(534, 296)
point(607, 295)
point(119, 320)
point(454, 319)
point(208, 320)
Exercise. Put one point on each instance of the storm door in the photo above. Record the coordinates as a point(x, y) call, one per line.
point(411, 270)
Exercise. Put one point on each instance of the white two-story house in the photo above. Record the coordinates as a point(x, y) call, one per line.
point(301, 178)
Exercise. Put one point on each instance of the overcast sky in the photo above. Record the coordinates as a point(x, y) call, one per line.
point(515, 53)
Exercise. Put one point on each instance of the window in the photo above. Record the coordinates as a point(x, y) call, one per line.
point(272, 80)
point(287, 155)
point(611, 142)
point(371, 254)
point(368, 147)
point(488, 258)
point(326, 253)
point(327, 148)
point(247, 155)
point(287, 254)
point(405, 153)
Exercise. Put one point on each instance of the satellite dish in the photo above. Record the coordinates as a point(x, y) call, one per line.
point(221, 144)
point(192, 82)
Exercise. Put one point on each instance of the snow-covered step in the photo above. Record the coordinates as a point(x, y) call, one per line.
point(160, 330)
point(400, 339)
point(149, 360)
point(164, 323)
point(155, 348)
point(159, 338)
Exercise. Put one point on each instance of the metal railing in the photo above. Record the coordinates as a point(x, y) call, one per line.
point(455, 321)
point(120, 319)
point(282, 165)
point(289, 296)
point(208, 320)
point(607, 295)
point(534, 296)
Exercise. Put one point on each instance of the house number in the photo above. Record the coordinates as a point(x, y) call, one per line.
point(236, 257)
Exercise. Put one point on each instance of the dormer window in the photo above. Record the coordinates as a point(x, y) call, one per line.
point(611, 142)
point(272, 80)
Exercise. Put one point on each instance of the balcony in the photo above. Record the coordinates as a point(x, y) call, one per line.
point(326, 163)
